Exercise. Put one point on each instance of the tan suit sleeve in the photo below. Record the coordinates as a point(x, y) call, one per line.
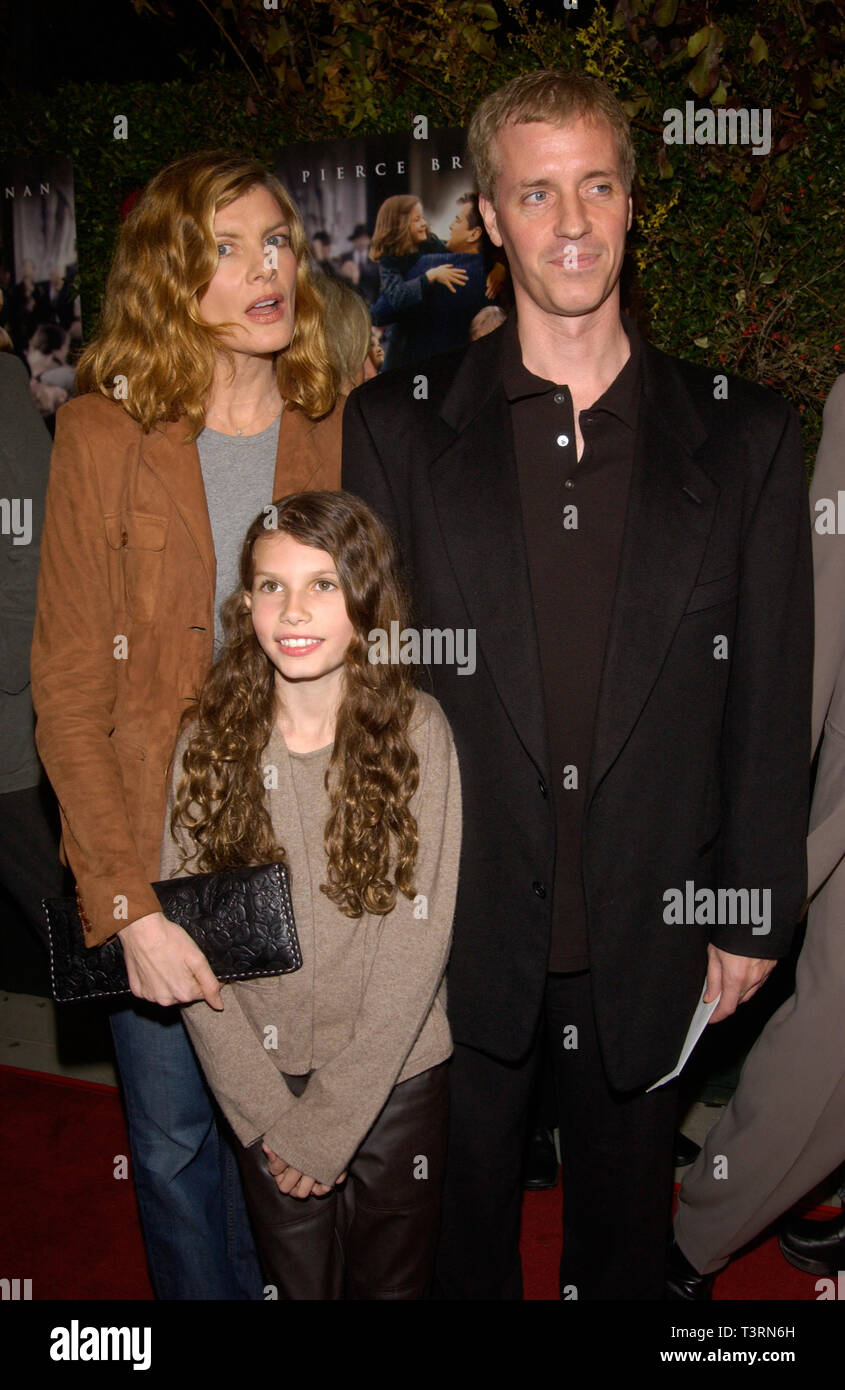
point(826, 842)
point(829, 565)
point(74, 688)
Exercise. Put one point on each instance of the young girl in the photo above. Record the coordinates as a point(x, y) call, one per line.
point(400, 237)
point(333, 1078)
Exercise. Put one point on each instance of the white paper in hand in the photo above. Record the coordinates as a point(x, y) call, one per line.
point(700, 1020)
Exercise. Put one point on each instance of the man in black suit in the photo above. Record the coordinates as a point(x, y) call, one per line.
point(629, 537)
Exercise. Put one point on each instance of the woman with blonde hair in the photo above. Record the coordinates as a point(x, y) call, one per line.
point(207, 392)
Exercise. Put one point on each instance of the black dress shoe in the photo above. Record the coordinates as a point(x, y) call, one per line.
point(686, 1150)
point(683, 1281)
point(817, 1247)
point(540, 1161)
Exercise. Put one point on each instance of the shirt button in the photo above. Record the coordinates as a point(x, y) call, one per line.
point(560, 398)
point(539, 888)
point(570, 482)
point(543, 789)
point(563, 440)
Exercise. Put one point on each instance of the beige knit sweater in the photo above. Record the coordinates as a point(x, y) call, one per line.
point(367, 1008)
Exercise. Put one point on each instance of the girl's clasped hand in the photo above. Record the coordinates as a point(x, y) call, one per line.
point(294, 1183)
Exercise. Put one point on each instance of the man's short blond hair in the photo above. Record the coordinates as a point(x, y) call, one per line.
point(555, 97)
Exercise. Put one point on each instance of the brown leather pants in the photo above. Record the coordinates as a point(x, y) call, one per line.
point(374, 1237)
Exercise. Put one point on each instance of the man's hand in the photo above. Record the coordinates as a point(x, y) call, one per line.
point(494, 281)
point(448, 275)
point(294, 1183)
point(736, 978)
point(165, 966)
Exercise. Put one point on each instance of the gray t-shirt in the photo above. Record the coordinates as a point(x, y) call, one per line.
point(238, 473)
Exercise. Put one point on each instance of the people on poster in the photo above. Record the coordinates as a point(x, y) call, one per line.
point(42, 318)
point(321, 250)
point(401, 237)
point(368, 273)
point(442, 318)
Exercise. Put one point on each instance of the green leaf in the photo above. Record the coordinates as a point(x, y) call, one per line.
point(276, 39)
point(664, 12)
point(701, 342)
point(697, 41)
point(699, 78)
point(720, 96)
point(759, 49)
point(768, 277)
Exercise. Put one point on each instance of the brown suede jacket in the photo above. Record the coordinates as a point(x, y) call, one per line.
point(124, 631)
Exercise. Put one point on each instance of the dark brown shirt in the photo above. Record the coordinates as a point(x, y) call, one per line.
point(573, 516)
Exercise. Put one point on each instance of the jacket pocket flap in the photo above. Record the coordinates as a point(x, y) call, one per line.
point(715, 591)
point(136, 531)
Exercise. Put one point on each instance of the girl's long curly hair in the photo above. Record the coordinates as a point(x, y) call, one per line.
point(151, 332)
point(374, 770)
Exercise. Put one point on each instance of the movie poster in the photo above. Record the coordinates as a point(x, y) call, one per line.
point(40, 317)
point(396, 218)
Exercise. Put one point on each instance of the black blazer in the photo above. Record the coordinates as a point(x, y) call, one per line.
point(699, 769)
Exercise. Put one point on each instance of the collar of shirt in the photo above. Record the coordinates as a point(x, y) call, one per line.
point(620, 399)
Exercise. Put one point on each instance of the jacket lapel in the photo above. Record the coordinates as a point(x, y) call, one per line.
point(671, 506)
point(476, 497)
point(300, 454)
point(308, 451)
point(176, 464)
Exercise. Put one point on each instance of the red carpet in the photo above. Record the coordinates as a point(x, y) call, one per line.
point(71, 1226)
point(761, 1273)
point(68, 1224)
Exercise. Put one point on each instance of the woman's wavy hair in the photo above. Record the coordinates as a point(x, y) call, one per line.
point(374, 770)
point(151, 333)
point(391, 234)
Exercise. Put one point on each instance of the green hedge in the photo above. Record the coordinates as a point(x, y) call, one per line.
point(740, 259)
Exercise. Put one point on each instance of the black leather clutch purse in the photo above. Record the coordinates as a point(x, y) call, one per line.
point(242, 920)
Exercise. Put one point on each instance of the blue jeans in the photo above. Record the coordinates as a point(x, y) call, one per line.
point(196, 1229)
